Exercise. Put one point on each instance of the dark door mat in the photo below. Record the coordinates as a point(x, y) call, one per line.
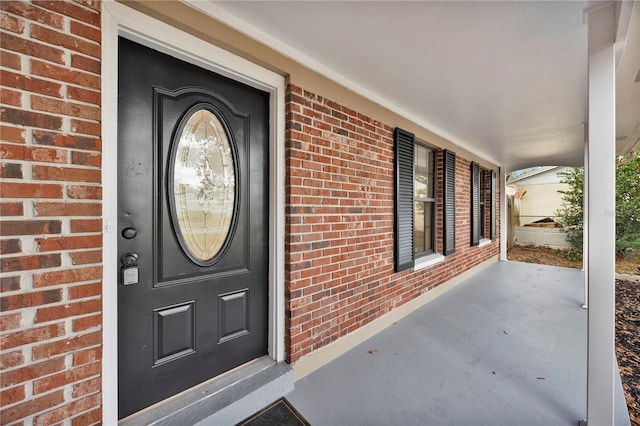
point(280, 413)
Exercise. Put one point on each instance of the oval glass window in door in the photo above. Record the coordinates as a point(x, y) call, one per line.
point(204, 184)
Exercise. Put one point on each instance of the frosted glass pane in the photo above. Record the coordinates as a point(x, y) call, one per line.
point(204, 185)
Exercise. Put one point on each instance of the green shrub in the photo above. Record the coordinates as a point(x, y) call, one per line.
point(628, 206)
point(570, 215)
point(572, 255)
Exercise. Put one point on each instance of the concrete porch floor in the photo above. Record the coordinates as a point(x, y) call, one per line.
point(505, 347)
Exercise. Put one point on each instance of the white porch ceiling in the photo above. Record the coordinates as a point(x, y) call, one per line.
point(507, 80)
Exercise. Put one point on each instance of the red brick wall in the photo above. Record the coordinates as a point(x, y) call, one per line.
point(339, 236)
point(51, 249)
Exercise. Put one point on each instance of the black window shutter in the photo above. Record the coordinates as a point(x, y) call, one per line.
point(403, 250)
point(493, 205)
point(475, 204)
point(449, 184)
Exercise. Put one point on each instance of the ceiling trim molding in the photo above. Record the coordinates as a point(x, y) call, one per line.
point(624, 14)
point(219, 14)
point(631, 143)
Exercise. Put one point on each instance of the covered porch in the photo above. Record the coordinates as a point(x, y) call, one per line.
point(506, 346)
point(522, 84)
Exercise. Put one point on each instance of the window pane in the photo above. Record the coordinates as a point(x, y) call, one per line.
point(424, 194)
point(483, 218)
point(483, 203)
point(430, 174)
point(423, 172)
point(423, 227)
point(428, 230)
point(418, 227)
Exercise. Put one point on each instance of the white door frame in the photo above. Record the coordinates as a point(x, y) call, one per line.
point(120, 20)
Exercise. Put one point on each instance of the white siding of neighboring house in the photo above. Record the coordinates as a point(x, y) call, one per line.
point(542, 198)
point(540, 201)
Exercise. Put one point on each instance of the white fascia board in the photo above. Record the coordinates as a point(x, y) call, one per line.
point(532, 174)
point(623, 15)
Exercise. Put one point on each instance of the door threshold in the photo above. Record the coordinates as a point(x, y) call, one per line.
point(227, 396)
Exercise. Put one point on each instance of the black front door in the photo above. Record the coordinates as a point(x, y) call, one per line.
point(192, 223)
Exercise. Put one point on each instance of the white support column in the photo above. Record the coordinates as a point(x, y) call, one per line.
point(601, 363)
point(503, 214)
point(585, 220)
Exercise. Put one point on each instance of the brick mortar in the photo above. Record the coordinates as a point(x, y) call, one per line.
point(26, 98)
point(66, 19)
point(351, 264)
point(352, 282)
point(75, 163)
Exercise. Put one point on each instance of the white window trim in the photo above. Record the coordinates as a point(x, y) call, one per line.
point(427, 261)
point(120, 20)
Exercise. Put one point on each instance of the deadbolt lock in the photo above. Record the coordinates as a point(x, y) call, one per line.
point(129, 268)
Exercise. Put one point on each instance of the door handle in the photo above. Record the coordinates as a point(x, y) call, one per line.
point(129, 233)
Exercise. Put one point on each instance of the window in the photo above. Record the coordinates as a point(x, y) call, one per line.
point(483, 200)
point(416, 195)
point(424, 201)
point(492, 205)
point(483, 203)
